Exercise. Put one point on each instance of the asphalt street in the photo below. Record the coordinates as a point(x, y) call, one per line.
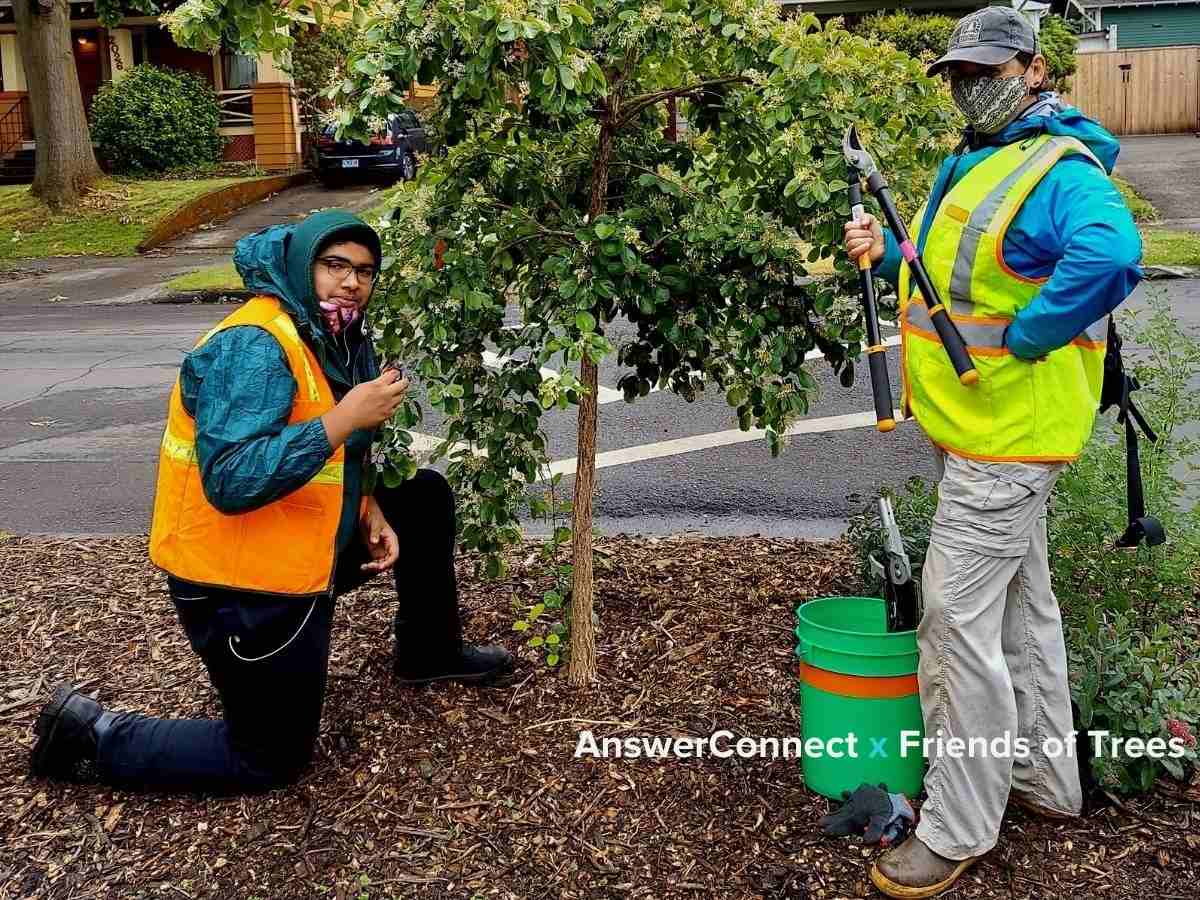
point(86, 366)
point(1163, 168)
point(83, 393)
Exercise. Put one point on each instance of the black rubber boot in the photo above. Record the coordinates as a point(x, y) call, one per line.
point(66, 733)
point(474, 665)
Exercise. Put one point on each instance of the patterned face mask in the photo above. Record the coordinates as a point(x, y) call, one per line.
point(989, 103)
point(338, 316)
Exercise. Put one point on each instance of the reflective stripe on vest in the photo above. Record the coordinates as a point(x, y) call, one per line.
point(1033, 411)
point(284, 547)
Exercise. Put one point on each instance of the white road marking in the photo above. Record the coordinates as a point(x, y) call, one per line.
point(628, 455)
point(423, 444)
point(892, 341)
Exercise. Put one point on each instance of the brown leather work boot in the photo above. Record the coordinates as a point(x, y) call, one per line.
point(1030, 805)
point(913, 870)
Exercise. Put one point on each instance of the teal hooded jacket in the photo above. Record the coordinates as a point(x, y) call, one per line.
point(1073, 229)
point(239, 388)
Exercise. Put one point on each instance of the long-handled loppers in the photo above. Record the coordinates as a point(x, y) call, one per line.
point(881, 386)
point(861, 162)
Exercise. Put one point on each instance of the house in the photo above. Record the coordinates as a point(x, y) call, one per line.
point(1143, 23)
point(260, 118)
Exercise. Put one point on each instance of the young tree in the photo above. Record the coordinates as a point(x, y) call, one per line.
point(562, 205)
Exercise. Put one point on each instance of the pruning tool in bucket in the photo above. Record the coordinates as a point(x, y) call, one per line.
point(863, 165)
point(899, 592)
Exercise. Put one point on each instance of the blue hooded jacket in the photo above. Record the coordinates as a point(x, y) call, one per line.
point(1073, 228)
point(239, 387)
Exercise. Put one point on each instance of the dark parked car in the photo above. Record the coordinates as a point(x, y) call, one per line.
point(391, 154)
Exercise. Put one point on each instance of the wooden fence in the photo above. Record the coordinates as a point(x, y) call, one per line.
point(1154, 91)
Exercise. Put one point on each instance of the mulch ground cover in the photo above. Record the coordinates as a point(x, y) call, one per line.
point(464, 793)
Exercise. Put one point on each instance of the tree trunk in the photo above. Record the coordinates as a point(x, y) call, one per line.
point(65, 165)
point(582, 669)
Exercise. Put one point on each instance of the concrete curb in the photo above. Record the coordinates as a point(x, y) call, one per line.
point(218, 203)
point(185, 297)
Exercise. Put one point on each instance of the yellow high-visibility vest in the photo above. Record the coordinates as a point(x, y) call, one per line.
point(284, 547)
point(1019, 410)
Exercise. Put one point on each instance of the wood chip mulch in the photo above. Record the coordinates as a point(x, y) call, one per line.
point(464, 793)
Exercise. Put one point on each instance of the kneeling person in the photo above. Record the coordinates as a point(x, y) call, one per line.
point(260, 522)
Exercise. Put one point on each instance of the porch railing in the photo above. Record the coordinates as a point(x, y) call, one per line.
point(237, 110)
point(15, 127)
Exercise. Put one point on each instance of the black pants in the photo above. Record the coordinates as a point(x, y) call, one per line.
point(268, 660)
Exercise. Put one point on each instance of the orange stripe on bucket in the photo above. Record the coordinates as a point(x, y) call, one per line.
point(870, 686)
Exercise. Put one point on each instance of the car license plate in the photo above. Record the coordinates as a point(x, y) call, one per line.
point(349, 163)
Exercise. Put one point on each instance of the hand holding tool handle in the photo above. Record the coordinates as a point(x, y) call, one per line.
point(947, 331)
point(881, 386)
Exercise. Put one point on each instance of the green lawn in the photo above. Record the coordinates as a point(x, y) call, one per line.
point(221, 277)
point(110, 221)
point(1143, 210)
point(1162, 247)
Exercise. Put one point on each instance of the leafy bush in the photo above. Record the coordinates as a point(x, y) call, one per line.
point(1129, 616)
point(916, 35)
point(156, 120)
point(1058, 42)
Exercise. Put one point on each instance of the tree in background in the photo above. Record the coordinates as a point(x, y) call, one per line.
point(318, 55)
point(563, 205)
point(64, 163)
point(925, 37)
point(1059, 40)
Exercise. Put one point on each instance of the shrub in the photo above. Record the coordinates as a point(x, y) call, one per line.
point(1129, 616)
point(1058, 46)
point(156, 120)
point(916, 35)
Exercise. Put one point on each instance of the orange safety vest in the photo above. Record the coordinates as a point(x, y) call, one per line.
point(287, 546)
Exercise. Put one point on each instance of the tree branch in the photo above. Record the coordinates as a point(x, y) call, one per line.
point(637, 104)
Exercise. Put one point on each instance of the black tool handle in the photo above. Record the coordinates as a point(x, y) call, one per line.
point(947, 331)
point(881, 385)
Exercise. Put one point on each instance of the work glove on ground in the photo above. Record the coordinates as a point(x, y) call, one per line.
point(881, 817)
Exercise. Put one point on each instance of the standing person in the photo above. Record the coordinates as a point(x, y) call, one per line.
point(260, 522)
point(1030, 246)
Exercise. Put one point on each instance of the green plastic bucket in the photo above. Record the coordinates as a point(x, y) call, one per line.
point(858, 692)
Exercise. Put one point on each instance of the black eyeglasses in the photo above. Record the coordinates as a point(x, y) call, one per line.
point(339, 268)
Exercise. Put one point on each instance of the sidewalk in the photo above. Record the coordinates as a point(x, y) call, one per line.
point(114, 281)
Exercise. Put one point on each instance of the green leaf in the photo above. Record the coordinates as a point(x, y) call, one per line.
point(537, 641)
point(604, 230)
point(552, 639)
point(567, 76)
point(549, 76)
point(520, 625)
point(552, 659)
point(585, 322)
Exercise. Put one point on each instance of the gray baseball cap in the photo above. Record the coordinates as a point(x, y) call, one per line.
point(989, 37)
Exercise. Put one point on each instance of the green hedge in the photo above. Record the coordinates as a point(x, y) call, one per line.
point(916, 35)
point(156, 120)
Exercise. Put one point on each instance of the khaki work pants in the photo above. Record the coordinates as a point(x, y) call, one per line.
point(993, 661)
